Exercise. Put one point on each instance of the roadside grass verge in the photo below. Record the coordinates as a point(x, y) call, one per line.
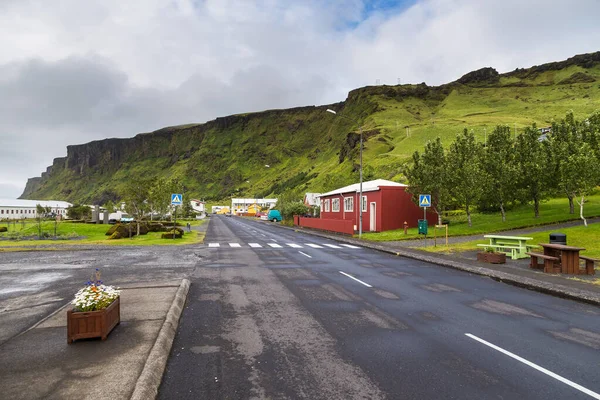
point(581, 236)
point(551, 211)
point(22, 234)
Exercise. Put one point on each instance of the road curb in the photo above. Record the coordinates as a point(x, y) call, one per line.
point(515, 280)
point(149, 380)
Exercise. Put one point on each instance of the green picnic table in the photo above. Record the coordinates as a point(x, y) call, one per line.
point(513, 246)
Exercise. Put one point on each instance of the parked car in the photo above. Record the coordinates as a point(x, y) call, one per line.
point(228, 214)
point(274, 215)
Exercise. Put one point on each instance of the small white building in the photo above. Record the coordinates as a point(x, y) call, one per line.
point(241, 205)
point(198, 206)
point(20, 209)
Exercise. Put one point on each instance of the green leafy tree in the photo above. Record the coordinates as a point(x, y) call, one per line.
point(564, 143)
point(534, 161)
point(293, 208)
point(428, 174)
point(135, 195)
point(583, 173)
point(464, 171)
point(499, 168)
point(79, 211)
point(41, 213)
point(160, 195)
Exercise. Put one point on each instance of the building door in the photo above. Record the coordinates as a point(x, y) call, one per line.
point(373, 217)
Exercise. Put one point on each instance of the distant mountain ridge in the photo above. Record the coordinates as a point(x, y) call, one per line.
point(307, 149)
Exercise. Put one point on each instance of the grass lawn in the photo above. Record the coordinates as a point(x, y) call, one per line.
point(69, 233)
point(581, 236)
point(551, 211)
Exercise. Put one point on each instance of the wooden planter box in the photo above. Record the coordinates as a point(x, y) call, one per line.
point(92, 324)
point(492, 258)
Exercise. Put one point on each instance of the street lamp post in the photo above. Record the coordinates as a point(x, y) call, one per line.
point(360, 199)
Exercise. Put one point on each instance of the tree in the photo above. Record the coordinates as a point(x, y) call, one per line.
point(499, 168)
point(135, 195)
point(41, 212)
point(428, 174)
point(293, 208)
point(464, 171)
point(563, 144)
point(160, 195)
point(583, 173)
point(535, 170)
point(79, 211)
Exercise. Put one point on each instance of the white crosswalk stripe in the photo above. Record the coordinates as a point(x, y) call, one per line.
point(279, 246)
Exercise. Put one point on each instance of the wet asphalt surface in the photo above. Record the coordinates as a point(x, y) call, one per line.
point(276, 318)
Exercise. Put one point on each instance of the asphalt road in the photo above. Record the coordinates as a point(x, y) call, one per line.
point(274, 313)
point(284, 322)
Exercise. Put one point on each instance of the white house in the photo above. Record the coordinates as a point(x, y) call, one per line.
point(20, 209)
point(241, 205)
point(198, 206)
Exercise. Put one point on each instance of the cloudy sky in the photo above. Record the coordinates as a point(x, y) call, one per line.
point(74, 71)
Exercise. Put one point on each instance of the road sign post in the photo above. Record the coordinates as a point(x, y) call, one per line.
point(424, 201)
point(176, 200)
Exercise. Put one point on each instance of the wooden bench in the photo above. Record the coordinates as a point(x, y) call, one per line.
point(548, 262)
point(589, 264)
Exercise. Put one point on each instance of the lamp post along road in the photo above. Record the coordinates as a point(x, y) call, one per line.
point(360, 199)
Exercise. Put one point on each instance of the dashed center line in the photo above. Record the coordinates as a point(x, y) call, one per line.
point(254, 245)
point(214, 245)
point(537, 367)
point(274, 245)
point(314, 246)
point(235, 245)
point(304, 254)
point(333, 246)
point(357, 280)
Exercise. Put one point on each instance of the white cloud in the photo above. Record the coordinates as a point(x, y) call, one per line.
point(73, 71)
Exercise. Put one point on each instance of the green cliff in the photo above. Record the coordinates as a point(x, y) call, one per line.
point(311, 150)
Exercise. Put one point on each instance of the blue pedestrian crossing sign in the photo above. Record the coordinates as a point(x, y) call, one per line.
point(424, 200)
point(176, 199)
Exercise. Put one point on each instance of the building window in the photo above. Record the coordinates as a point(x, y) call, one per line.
point(12, 211)
point(327, 205)
point(349, 204)
point(364, 203)
point(335, 205)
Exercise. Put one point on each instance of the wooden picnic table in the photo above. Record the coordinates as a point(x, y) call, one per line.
point(514, 246)
point(568, 255)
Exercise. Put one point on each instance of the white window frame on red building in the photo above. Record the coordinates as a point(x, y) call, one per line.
point(348, 204)
point(327, 205)
point(335, 205)
point(364, 203)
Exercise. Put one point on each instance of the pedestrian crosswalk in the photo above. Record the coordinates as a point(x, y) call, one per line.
point(283, 245)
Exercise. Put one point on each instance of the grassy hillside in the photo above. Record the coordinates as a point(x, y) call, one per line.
point(308, 149)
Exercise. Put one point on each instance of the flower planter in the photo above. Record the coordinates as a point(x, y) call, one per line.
point(92, 324)
point(491, 257)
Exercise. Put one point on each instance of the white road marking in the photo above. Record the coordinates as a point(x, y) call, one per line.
point(234, 245)
point(333, 246)
point(254, 245)
point(314, 246)
point(357, 280)
point(274, 245)
point(304, 254)
point(351, 246)
point(214, 245)
point(535, 366)
point(274, 240)
point(294, 245)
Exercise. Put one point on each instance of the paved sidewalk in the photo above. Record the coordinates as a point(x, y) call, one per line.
point(39, 364)
point(515, 272)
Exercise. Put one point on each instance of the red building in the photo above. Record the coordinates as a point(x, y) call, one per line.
point(386, 206)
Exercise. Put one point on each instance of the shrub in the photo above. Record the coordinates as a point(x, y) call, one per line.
point(177, 233)
point(3, 229)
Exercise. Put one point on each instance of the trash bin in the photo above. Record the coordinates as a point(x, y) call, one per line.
point(422, 227)
point(558, 238)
